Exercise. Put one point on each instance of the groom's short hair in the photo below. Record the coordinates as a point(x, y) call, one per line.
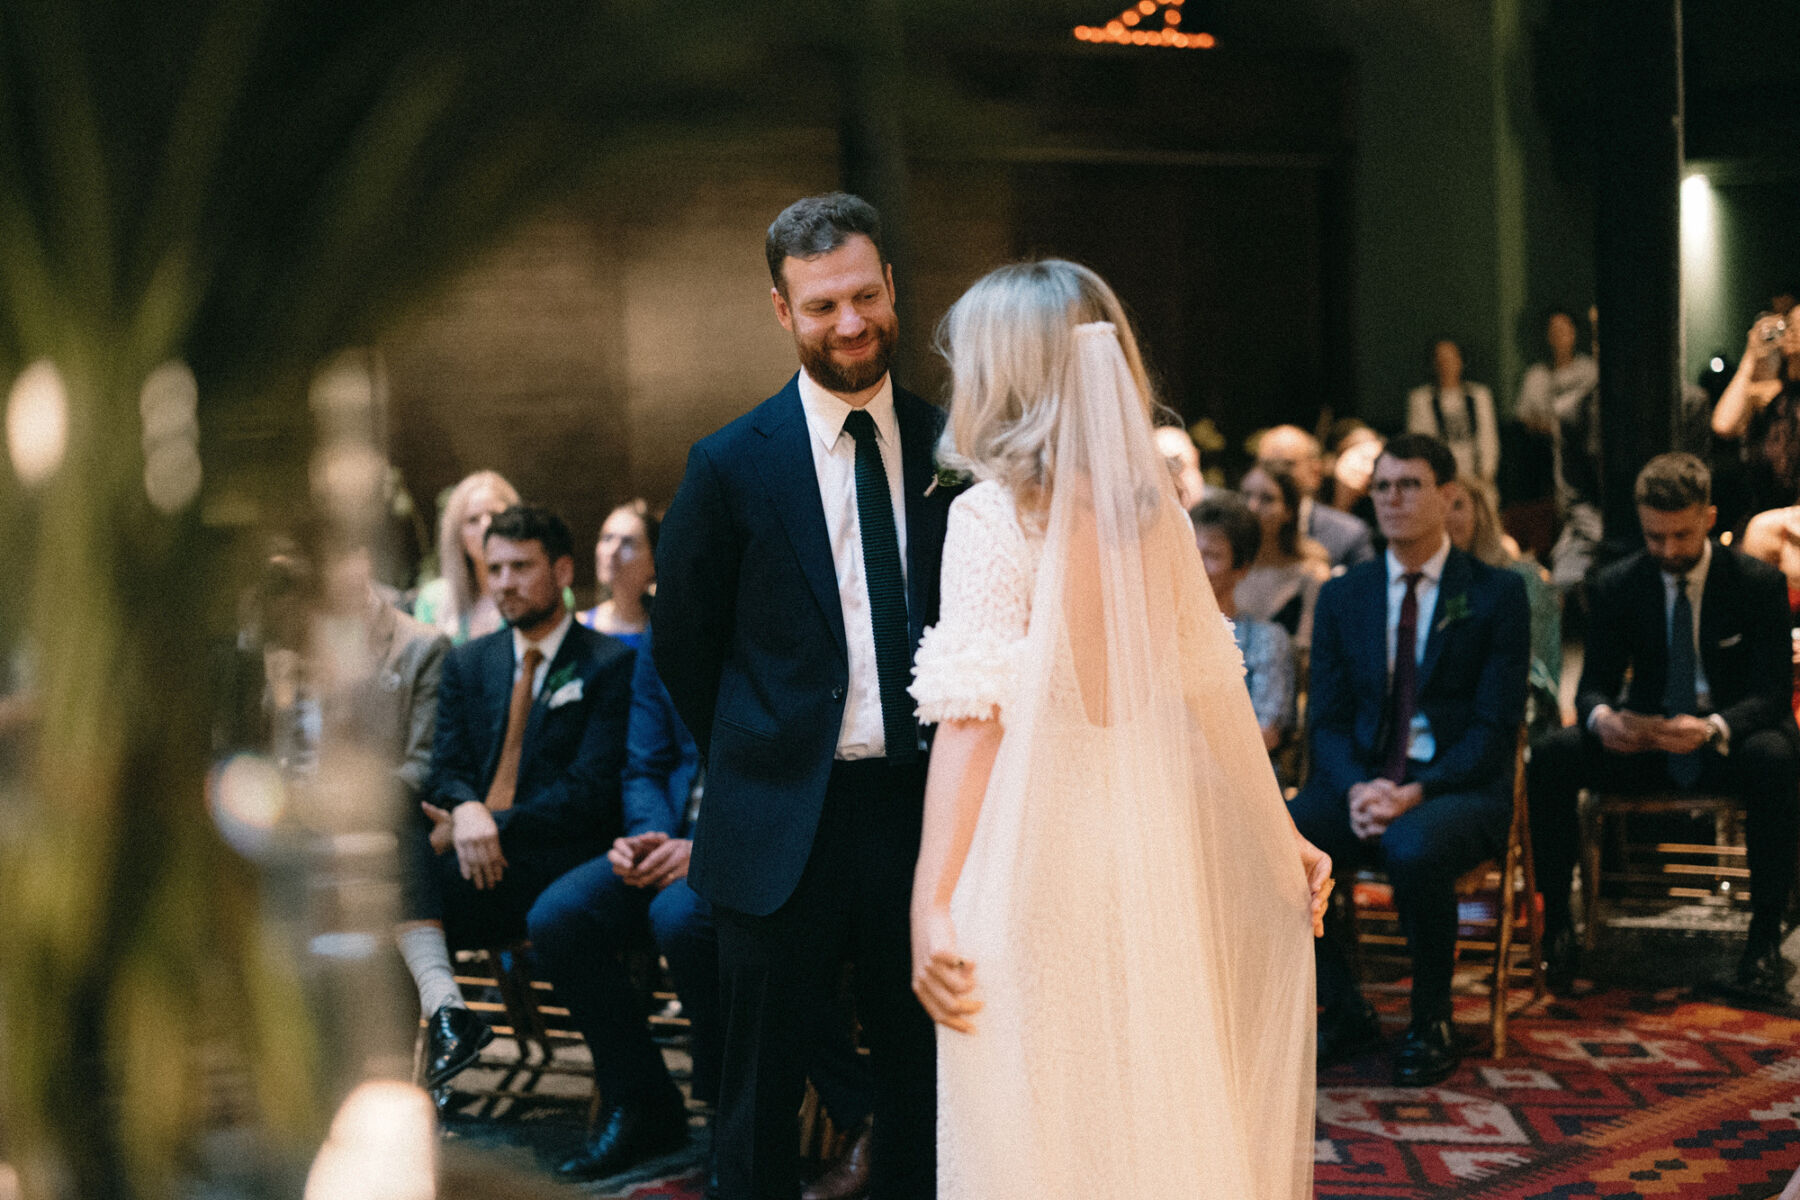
point(818, 225)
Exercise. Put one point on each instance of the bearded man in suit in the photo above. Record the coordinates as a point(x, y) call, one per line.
point(796, 569)
point(1702, 631)
point(524, 786)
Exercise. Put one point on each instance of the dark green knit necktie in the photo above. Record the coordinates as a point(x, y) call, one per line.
point(887, 589)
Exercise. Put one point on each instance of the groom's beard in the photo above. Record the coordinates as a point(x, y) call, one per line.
point(849, 377)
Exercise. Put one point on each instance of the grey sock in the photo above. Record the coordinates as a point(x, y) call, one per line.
point(428, 958)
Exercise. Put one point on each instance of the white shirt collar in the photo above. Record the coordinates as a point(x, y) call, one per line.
point(1697, 575)
point(548, 645)
point(1433, 570)
point(825, 411)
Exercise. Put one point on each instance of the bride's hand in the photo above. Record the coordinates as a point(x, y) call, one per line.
point(943, 980)
point(1318, 878)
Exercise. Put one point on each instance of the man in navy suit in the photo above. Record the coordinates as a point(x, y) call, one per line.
point(524, 781)
point(797, 568)
point(1703, 632)
point(1345, 538)
point(1419, 668)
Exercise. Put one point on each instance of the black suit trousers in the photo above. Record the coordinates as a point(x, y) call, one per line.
point(852, 904)
point(1761, 771)
point(432, 887)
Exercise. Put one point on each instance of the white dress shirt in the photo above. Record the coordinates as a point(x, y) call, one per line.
point(834, 459)
point(548, 645)
point(1423, 745)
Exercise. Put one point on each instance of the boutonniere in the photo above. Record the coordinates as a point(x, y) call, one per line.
point(568, 693)
point(1455, 609)
point(946, 478)
point(557, 684)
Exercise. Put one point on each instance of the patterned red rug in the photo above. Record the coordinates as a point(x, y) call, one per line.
point(1614, 1095)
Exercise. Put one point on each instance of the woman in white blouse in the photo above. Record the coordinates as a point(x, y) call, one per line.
point(1457, 412)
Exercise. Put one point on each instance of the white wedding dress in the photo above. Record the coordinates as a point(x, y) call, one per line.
point(1133, 900)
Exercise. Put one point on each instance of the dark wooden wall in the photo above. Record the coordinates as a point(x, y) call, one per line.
point(583, 358)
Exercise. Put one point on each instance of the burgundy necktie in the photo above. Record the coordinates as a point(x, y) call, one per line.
point(1403, 696)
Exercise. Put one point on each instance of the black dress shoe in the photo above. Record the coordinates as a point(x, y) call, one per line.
point(1428, 1054)
point(1562, 959)
point(626, 1136)
point(1762, 972)
point(1346, 1034)
point(454, 1037)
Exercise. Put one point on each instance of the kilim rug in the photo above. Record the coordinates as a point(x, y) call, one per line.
point(1615, 1095)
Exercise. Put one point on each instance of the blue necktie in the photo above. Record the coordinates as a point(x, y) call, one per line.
point(887, 590)
point(1680, 692)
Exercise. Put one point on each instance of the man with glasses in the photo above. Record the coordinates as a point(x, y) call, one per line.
point(1419, 667)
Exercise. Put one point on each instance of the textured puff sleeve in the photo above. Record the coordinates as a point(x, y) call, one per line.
point(967, 664)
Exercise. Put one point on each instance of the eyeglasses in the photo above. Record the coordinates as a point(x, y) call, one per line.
point(1406, 485)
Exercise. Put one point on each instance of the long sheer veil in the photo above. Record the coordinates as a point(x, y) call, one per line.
point(1133, 898)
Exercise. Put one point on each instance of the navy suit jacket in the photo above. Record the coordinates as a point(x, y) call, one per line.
point(749, 634)
point(1745, 645)
point(568, 790)
point(1471, 685)
point(661, 758)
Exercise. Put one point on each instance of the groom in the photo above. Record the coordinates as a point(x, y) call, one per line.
point(796, 569)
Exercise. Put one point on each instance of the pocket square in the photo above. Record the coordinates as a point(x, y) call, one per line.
point(566, 694)
point(1734, 639)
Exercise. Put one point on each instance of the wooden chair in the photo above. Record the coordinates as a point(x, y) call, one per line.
point(1513, 879)
point(1676, 867)
point(526, 1010)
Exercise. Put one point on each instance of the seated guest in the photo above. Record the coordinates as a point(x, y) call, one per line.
point(1183, 457)
point(524, 787)
point(1229, 536)
point(1354, 448)
point(1695, 637)
point(1774, 537)
point(1474, 528)
point(1283, 582)
point(1561, 397)
point(1291, 448)
point(460, 601)
point(1457, 411)
point(1419, 665)
point(625, 567)
point(341, 670)
point(606, 906)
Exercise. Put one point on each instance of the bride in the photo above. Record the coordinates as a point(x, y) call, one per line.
point(1111, 906)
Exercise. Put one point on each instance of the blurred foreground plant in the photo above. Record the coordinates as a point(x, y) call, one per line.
point(243, 187)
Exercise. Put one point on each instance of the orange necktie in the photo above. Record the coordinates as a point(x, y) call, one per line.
point(506, 775)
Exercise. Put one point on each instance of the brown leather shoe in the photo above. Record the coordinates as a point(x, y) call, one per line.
point(847, 1178)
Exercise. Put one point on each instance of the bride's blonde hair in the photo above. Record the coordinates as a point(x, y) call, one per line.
point(1008, 341)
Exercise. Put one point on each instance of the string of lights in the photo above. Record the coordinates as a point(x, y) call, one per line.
point(1137, 26)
